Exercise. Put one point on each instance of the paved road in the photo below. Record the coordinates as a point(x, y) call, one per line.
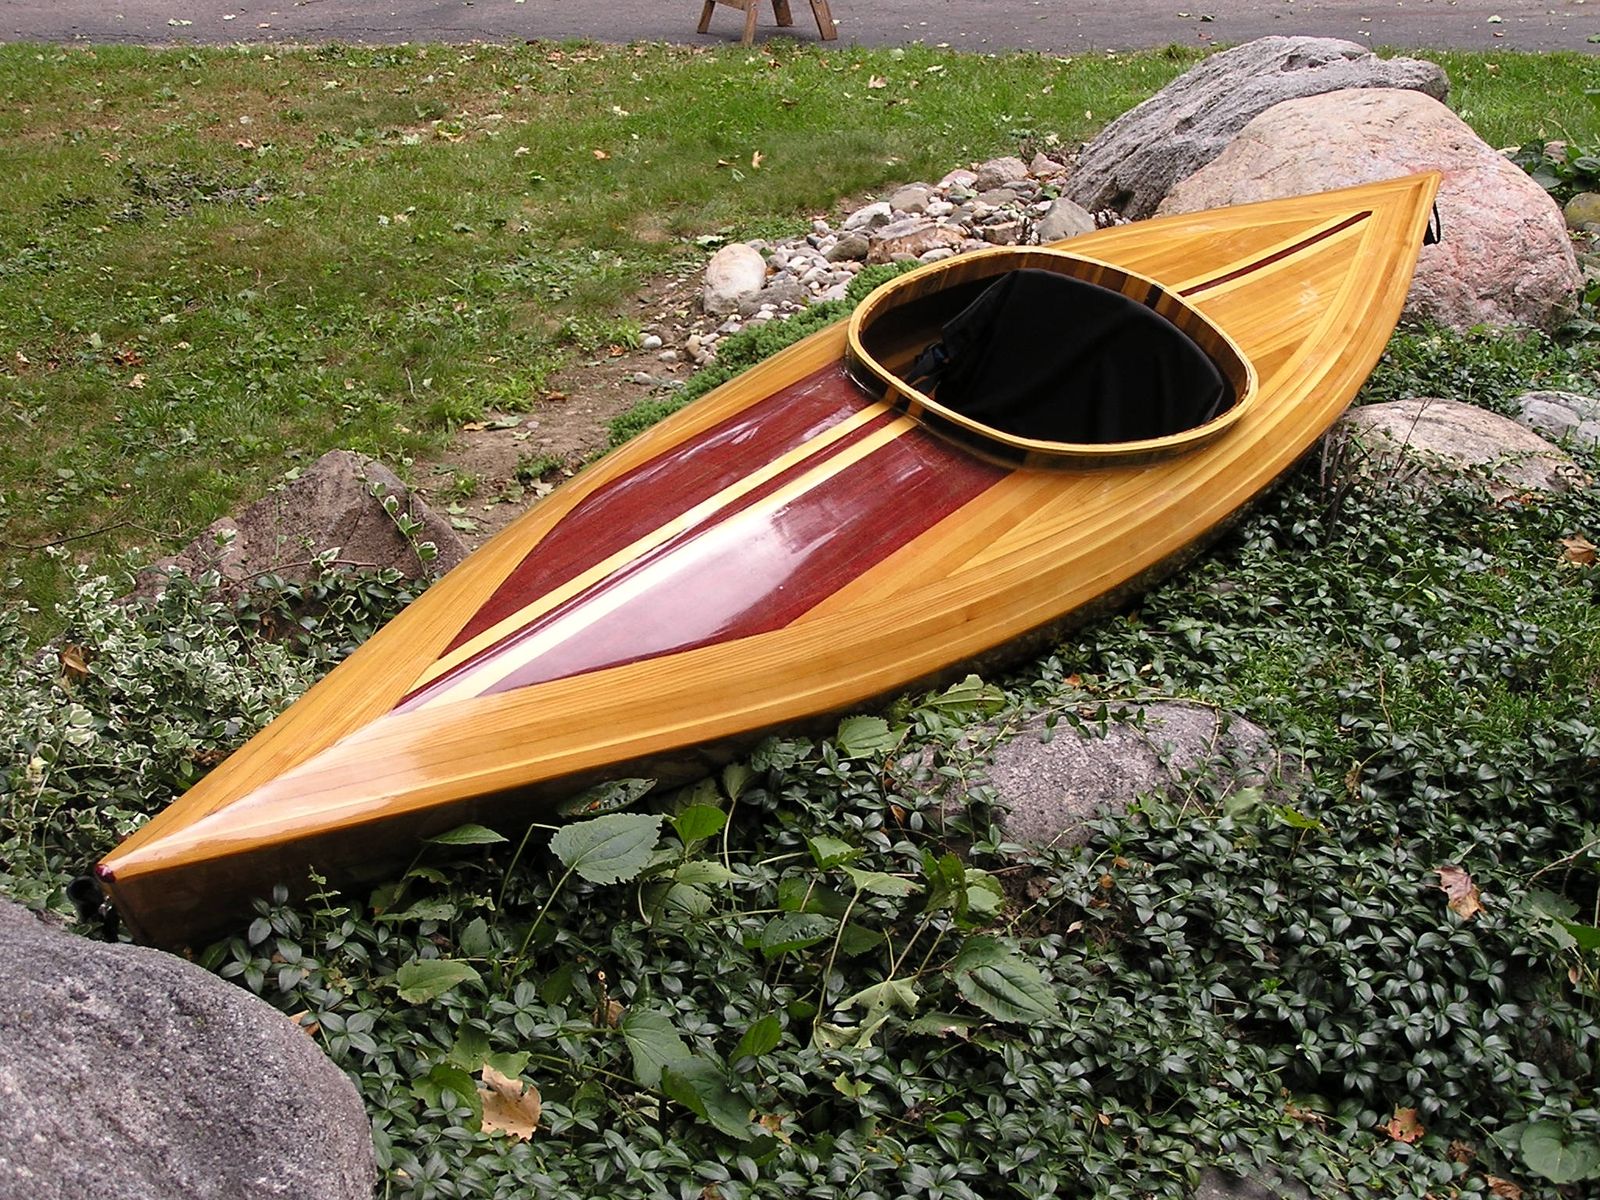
point(1061, 26)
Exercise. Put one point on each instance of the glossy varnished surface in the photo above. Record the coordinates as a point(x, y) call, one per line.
point(786, 547)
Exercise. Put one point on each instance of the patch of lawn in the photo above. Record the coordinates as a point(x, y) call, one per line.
point(214, 263)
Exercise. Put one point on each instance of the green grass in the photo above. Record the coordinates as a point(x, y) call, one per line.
point(216, 262)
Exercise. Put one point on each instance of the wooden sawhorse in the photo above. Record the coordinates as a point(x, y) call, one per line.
point(780, 10)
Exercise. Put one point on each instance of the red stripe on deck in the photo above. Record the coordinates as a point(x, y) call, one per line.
point(656, 491)
point(732, 581)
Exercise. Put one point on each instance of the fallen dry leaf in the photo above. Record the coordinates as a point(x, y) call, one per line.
point(74, 663)
point(601, 154)
point(877, 81)
point(756, 160)
point(1504, 1188)
point(137, 382)
point(1463, 893)
point(1404, 1126)
point(509, 1105)
point(1305, 1116)
point(1579, 551)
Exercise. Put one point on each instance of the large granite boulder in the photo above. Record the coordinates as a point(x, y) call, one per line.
point(342, 501)
point(1433, 439)
point(1505, 258)
point(128, 1074)
point(1139, 157)
point(1051, 782)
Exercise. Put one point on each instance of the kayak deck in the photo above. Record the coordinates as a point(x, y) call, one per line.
point(792, 545)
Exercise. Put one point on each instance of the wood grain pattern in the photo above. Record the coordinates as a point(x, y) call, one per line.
point(1306, 290)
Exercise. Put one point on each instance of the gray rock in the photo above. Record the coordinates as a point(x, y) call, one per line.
point(1505, 259)
point(998, 172)
point(1052, 787)
point(913, 198)
point(1561, 416)
point(870, 217)
point(1042, 166)
point(778, 293)
point(336, 503)
point(999, 197)
point(1582, 212)
point(911, 238)
point(1064, 219)
point(959, 178)
point(1436, 439)
point(734, 272)
point(851, 247)
point(1214, 1185)
point(1002, 233)
point(129, 1074)
point(1137, 158)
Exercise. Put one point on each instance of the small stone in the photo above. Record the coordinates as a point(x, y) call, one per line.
point(1064, 219)
point(913, 198)
point(938, 254)
point(1042, 166)
point(960, 177)
point(1582, 211)
point(668, 356)
point(836, 292)
point(734, 272)
point(870, 217)
point(911, 238)
point(731, 325)
point(643, 379)
point(849, 247)
point(998, 197)
point(998, 172)
point(1003, 233)
point(939, 208)
point(650, 341)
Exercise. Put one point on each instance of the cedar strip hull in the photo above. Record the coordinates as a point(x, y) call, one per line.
point(684, 595)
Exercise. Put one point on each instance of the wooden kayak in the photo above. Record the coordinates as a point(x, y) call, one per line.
point(811, 537)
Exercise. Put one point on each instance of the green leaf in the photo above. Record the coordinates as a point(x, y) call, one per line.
point(970, 697)
point(466, 835)
point(606, 797)
point(830, 851)
point(1001, 982)
point(880, 884)
point(701, 1086)
point(654, 1042)
point(858, 939)
point(1586, 936)
point(866, 737)
point(1242, 803)
point(1549, 1148)
point(943, 1024)
point(698, 822)
point(735, 778)
point(1295, 819)
point(609, 849)
point(985, 896)
point(424, 910)
point(471, 1049)
point(429, 978)
point(443, 1078)
point(795, 931)
point(944, 878)
point(761, 1038)
point(475, 940)
point(703, 874)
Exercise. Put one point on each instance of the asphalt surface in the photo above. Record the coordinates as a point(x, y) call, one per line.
point(1054, 26)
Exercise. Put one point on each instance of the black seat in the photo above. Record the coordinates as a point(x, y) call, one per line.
point(1045, 356)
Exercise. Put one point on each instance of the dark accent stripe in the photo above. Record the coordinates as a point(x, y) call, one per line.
point(645, 562)
point(1303, 244)
point(656, 491)
point(708, 592)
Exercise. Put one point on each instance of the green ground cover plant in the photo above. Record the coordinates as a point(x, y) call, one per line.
point(808, 975)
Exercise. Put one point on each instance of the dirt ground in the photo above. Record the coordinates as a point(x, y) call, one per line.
point(568, 426)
